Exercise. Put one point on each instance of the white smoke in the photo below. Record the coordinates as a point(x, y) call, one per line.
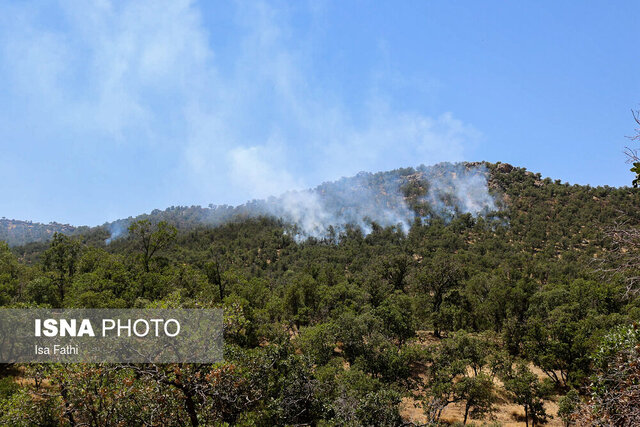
point(116, 229)
point(363, 200)
point(306, 210)
point(379, 198)
point(358, 201)
point(458, 189)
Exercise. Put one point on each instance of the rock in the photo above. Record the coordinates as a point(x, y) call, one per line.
point(505, 168)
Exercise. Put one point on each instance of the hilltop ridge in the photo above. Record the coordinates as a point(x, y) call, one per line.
point(387, 198)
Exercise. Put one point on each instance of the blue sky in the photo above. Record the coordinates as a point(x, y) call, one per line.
point(111, 109)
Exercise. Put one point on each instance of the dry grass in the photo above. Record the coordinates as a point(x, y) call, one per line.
point(506, 414)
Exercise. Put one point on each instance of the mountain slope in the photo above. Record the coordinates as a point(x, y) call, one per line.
point(16, 232)
point(395, 197)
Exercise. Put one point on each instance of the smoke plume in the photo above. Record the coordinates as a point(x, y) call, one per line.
point(392, 198)
point(458, 189)
point(117, 229)
point(356, 202)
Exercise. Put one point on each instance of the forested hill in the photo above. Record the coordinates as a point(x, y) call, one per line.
point(387, 198)
point(490, 304)
point(16, 232)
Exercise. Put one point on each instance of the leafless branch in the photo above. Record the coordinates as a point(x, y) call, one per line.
point(632, 154)
point(636, 117)
point(624, 254)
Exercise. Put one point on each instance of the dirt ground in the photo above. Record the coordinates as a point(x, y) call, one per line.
point(507, 414)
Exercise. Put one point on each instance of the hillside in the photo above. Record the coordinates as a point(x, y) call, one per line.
point(433, 293)
point(386, 198)
point(16, 232)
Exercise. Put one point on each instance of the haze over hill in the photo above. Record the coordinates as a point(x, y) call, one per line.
point(385, 198)
point(392, 198)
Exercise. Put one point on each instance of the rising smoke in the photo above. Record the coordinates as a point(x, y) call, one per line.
point(458, 189)
point(382, 198)
point(117, 229)
point(356, 202)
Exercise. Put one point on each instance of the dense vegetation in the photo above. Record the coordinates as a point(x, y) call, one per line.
point(338, 331)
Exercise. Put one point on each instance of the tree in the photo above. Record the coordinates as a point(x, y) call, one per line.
point(568, 406)
point(10, 272)
point(477, 393)
point(438, 279)
point(527, 391)
point(474, 351)
point(61, 259)
point(214, 277)
point(397, 315)
point(152, 238)
point(441, 390)
point(456, 375)
point(564, 323)
point(395, 270)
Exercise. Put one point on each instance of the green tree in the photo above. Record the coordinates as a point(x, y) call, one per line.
point(477, 393)
point(396, 312)
point(10, 275)
point(151, 238)
point(215, 277)
point(438, 279)
point(568, 406)
point(456, 374)
point(61, 260)
point(527, 391)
